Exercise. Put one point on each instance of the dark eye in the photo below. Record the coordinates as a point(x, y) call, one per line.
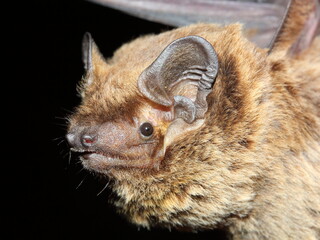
point(146, 129)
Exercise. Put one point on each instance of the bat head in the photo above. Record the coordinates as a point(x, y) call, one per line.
point(131, 123)
point(169, 117)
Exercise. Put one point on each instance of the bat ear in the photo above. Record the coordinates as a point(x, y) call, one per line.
point(299, 27)
point(182, 77)
point(91, 55)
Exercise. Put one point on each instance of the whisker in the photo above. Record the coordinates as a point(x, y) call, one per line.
point(61, 118)
point(65, 155)
point(70, 156)
point(67, 110)
point(104, 188)
point(81, 182)
point(62, 140)
point(79, 171)
point(58, 138)
point(78, 162)
point(64, 125)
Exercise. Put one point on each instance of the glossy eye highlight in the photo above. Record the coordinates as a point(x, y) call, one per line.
point(146, 129)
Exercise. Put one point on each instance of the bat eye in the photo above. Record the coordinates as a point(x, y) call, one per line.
point(146, 129)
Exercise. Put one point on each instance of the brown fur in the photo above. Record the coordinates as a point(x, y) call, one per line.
point(253, 167)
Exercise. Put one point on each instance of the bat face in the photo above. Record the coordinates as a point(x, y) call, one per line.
point(112, 132)
point(119, 127)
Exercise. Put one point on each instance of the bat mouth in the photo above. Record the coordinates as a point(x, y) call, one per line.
point(100, 161)
point(106, 158)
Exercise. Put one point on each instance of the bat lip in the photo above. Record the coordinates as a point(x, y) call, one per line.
point(102, 158)
point(106, 155)
point(86, 153)
point(101, 161)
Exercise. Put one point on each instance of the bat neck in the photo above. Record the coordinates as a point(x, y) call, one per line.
point(281, 210)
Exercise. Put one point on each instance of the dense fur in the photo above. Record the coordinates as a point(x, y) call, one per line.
point(253, 167)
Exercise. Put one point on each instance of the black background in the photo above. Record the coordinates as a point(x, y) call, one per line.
point(64, 200)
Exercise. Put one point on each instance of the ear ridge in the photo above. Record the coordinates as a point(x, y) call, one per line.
point(189, 66)
point(185, 109)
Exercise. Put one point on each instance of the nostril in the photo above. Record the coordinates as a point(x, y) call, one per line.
point(87, 140)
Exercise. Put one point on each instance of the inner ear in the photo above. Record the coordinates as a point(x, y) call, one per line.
point(182, 77)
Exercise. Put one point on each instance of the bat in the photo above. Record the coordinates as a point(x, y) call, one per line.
point(201, 128)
